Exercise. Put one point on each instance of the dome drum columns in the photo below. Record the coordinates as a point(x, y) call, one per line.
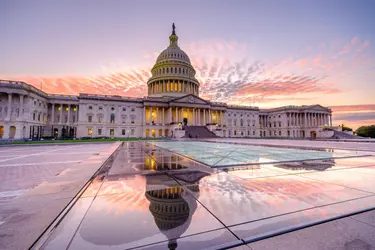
point(163, 87)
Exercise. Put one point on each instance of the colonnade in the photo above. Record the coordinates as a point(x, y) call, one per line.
point(164, 86)
point(195, 116)
point(309, 119)
point(295, 119)
point(60, 108)
point(9, 107)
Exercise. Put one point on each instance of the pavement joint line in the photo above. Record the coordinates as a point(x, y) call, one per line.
point(39, 163)
point(182, 237)
point(351, 217)
point(44, 236)
point(181, 155)
point(39, 153)
point(288, 146)
point(307, 225)
point(302, 175)
point(225, 157)
point(310, 208)
point(277, 162)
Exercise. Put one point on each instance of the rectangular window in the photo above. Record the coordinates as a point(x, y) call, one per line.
point(99, 131)
point(100, 119)
point(123, 132)
point(123, 109)
point(90, 118)
point(112, 118)
point(58, 118)
point(132, 122)
point(133, 109)
point(89, 131)
point(66, 119)
point(112, 132)
point(132, 131)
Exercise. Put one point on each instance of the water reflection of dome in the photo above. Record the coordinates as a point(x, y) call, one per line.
point(173, 207)
point(172, 211)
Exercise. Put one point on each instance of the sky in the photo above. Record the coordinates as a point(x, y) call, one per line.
point(261, 53)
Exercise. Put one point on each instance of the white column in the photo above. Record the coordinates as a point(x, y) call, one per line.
point(61, 110)
point(193, 117)
point(330, 120)
point(163, 118)
point(170, 114)
point(9, 106)
point(20, 114)
point(150, 115)
point(144, 115)
point(68, 120)
point(157, 115)
point(204, 117)
point(199, 117)
point(53, 113)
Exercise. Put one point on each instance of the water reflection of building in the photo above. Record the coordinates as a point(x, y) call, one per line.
point(173, 207)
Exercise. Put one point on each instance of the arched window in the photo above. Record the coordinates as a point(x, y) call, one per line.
point(112, 118)
point(167, 70)
point(163, 70)
point(179, 70)
point(241, 122)
point(175, 70)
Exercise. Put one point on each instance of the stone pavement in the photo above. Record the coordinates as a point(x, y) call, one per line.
point(38, 182)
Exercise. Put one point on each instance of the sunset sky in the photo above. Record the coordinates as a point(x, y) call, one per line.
point(263, 53)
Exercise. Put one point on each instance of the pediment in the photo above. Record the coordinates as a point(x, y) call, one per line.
point(190, 99)
point(317, 108)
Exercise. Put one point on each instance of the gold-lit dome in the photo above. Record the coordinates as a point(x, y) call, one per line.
point(173, 74)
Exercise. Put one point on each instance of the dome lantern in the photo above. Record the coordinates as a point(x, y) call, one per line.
point(173, 38)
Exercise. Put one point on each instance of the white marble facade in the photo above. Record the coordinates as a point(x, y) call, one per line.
point(173, 94)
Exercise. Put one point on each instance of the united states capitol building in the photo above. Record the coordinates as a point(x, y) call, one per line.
point(27, 112)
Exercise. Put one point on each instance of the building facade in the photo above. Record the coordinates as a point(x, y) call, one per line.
point(173, 94)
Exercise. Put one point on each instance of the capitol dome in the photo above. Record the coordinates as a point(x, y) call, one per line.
point(173, 74)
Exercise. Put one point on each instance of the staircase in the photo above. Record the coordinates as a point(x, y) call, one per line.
point(198, 132)
point(342, 135)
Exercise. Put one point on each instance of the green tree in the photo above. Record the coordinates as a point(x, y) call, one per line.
point(366, 131)
point(345, 128)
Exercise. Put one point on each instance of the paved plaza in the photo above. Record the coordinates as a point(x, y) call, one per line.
point(38, 182)
point(150, 195)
